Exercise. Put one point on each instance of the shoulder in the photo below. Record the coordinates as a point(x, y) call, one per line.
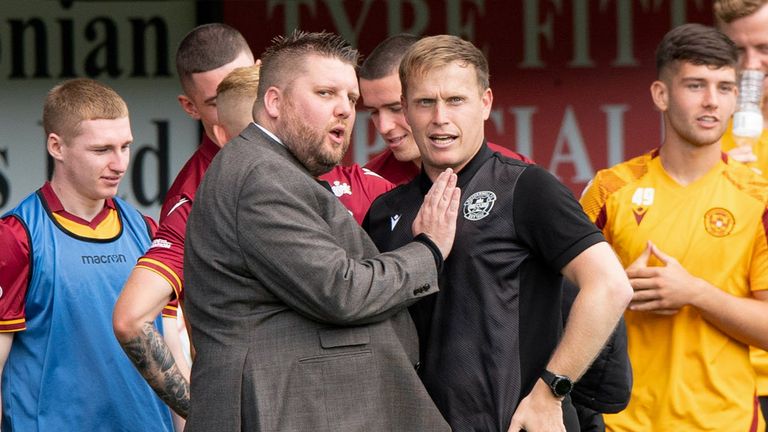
point(747, 181)
point(13, 234)
point(610, 180)
point(509, 153)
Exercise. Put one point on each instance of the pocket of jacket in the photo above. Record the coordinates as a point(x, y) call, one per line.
point(342, 337)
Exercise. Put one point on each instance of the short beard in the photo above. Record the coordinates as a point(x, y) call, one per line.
point(306, 144)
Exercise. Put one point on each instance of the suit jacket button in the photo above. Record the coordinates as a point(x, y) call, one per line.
point(417, 366)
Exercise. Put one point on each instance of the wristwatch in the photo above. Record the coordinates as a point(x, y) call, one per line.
point(561, 385)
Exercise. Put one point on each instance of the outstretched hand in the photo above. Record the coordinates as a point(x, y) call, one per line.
point(437, 215)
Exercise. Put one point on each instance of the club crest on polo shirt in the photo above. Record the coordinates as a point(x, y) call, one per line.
point(340, 188)
point(479, 205)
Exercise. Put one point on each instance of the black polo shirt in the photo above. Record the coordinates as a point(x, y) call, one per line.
point(489, 332)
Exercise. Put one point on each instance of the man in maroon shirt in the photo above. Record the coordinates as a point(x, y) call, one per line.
point(205, 56)
point(380, 89)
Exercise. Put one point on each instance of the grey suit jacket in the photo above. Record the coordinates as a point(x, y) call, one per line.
point(297, 320)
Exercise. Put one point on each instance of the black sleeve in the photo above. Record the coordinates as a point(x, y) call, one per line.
point(607, 385)
point(549, 219)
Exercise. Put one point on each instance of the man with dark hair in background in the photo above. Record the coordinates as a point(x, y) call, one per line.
point(688, 224)
point(204, 57)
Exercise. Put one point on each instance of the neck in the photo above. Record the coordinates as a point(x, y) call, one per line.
point(75, 203)
point(686, 163)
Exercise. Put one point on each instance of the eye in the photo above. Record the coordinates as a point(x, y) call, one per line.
point(324, 93)
point(353, 100)
point(694, 86)
point(727, 88)
point(455, 100)
point(396, 108)
point(425, 102)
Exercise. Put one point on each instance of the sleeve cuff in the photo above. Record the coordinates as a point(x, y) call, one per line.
point(425, 240)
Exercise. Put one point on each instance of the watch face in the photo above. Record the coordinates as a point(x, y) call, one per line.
point(562, 386)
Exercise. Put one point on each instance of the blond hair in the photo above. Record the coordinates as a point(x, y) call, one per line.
point(438, 51)
point(71, 102)
point(235, 97)
point(727, 11)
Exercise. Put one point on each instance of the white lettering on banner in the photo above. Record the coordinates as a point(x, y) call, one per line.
point(523, 129)
point(576, 154)
point(615, 132)
point(539, 20)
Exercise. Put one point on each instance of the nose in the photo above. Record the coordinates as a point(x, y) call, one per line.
point(120, 160)
point(711, 96)
point(344, 108)
point(385, 123)
point(439, 114)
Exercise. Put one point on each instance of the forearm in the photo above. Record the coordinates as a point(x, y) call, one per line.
point(592, 319)
point(604, 293)
point(742, 318)
point(151, 356)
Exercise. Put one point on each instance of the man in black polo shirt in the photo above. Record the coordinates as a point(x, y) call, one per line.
point(495, 328)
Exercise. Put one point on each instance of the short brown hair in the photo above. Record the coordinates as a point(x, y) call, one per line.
point(385, 58)
point(206, 48)
point(282, 60)
point(74, 101)
point(730, 10)
point(442, 50)
point(235, 96)
point(696, 44)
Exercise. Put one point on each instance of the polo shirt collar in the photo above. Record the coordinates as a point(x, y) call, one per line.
point(466, 173)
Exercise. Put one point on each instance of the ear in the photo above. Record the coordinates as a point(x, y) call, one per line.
point(220, 134)
point(660, 95)
point(273, 101)
point(55, 145)
point(188, 106)
point(487, 101)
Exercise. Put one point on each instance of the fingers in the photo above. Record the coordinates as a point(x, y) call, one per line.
point(642, 272)
point(642, 260)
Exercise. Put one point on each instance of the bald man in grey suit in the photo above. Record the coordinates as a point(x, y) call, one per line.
point(299, 323)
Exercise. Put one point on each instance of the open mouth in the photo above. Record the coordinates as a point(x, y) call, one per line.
point(394, 142)
point(337, 133)
point(442, 140)
point(708, 120)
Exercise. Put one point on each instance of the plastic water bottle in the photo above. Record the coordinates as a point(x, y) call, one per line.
point(748, 118)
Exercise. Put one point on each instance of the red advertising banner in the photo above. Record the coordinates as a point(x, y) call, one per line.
point(570, 78)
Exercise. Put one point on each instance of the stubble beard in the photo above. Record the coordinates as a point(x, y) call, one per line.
point(308, 144)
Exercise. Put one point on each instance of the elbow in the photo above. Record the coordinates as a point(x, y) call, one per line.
point(124, 325)
point(621, 292)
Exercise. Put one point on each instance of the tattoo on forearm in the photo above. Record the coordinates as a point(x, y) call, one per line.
point(154, 360)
